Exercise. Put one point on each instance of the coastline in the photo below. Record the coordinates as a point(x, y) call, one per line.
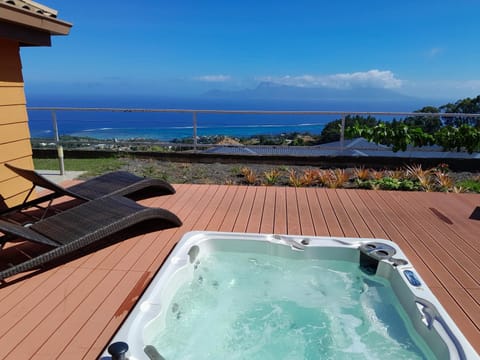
point(182, 132)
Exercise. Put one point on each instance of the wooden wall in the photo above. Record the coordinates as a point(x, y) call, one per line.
point(15, 145)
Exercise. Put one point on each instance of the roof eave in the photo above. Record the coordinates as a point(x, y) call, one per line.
point(39, 22)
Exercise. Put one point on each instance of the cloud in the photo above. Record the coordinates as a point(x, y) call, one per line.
point(372, 78)
point(433, 52)
point(442, 89)
point(213, 78)
point(468, 85)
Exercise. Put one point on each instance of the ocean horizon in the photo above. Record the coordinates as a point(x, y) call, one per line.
point(169, 126)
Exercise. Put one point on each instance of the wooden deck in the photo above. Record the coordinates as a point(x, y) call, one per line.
point(72, 310)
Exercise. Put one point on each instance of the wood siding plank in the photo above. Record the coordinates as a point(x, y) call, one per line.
point(14, 132)
point(15, 150)
point(13, 114)
point(12, 95)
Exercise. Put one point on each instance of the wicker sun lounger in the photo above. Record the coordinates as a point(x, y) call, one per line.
point(114, 183)
point(80, 226)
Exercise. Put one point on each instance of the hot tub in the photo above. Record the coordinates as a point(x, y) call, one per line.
point(255, 296)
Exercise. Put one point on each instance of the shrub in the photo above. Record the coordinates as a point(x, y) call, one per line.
point(250, 175)
point(294, 179)
point(271, 176)
point(472, 185)
point(361, 173)
point(310, 177)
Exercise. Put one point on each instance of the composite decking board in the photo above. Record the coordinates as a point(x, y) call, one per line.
point(463, 321)
point(319, 224)
point(453, 243)
point(464, 227)
point(213, 204)
point(139, 259)
point(458, 207)
point(354, 214)
point(228, 222)
point(199, 214)
point(401, 217)
point(90, 304)
point(306, 221)
point(437, 242)
point(132, 251)
point(417, 237)
point(331, 220)
point(169, 241)
point(25, 305)
point(10, 295)
point(256, 212)
point(341, 214)
point(381, 217)
point(461, 224)
point(293, 217)
point(472, 198)
point(243, 217)
point(369, 219)
point(449, 283)
point(268, 215)
point(280, 217)
point(147, 203)
point(87, 335)
point(413, 248)
point(189, 214)
point(25, 325)
point(194, 211)
point(222, 210)
point(469, 305)
point(453, 279)
point(465, 203)
point(70, 306)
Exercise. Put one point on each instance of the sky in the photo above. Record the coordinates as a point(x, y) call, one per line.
point(422, 48)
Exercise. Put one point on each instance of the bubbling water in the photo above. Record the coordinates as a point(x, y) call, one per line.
point(253, 306)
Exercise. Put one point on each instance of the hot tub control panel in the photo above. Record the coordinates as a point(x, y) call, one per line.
point(412, 278)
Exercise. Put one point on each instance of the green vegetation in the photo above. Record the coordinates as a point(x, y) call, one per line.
point(399, 136)
point(389, 183)
point(331, 131)
point(463, 106)
point(429, 124)
point(452, 133)
point(458, 138)
point(92, 167)
point(409, 178)
point(471, 185)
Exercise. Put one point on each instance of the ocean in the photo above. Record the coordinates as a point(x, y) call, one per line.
point(169, 126)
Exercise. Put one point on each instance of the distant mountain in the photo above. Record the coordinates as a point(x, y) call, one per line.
point(274, 91)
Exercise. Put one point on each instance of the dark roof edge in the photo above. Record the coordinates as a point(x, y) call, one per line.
point(53, 26)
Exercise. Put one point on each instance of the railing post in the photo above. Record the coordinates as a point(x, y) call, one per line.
point(57, 141)
point(195, 131)
point(342, 133)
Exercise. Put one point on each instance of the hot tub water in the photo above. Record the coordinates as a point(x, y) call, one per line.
point(257, 306)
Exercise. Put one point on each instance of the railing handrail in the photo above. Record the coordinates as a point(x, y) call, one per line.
point(251, 112)
point(195, 112)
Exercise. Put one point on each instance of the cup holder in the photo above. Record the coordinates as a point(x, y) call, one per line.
point(372, 253)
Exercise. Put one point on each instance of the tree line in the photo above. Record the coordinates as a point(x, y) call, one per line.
point(452, 133)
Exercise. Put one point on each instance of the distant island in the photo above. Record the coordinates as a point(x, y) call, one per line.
point(274, 91)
